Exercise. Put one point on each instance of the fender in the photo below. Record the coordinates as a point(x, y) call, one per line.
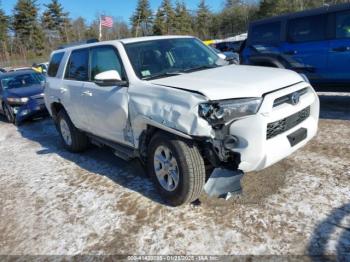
point(266, 60)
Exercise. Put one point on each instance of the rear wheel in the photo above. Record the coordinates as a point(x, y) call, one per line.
point(177, 169)
point(73, 139)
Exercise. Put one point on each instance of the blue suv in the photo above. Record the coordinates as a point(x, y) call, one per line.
point(315, 43)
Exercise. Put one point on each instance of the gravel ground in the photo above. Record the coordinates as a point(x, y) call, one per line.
point(57, 203)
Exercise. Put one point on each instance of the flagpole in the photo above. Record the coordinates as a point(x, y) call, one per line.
point(100, 30)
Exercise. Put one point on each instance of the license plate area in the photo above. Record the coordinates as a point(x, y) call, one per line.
point(298, 136)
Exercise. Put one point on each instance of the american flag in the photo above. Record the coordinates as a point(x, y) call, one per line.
point(107, 21)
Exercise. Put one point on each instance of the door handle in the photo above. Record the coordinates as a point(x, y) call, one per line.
point(87, 93)
point(63, 90)
point(291, 52)
point(341, 49)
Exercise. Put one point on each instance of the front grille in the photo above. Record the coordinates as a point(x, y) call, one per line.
point(281, 126)
point(288, 98)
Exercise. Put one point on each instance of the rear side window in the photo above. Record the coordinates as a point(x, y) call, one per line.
point(307, 29)
point(103, 59)
point(78, 65)
point(55, 64)
point(266, 33)
point(343, 25)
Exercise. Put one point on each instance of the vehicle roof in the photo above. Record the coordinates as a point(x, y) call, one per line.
point(16, 73)
point(315, 11)
point(123, 41)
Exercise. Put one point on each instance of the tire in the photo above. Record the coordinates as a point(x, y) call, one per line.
point(73, 140)
point(9, 114)
point(188, 169)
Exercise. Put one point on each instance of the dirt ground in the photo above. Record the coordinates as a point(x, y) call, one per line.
point(58, 203)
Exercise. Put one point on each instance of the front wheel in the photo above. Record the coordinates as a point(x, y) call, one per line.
point(177, 169)
point(9, 113)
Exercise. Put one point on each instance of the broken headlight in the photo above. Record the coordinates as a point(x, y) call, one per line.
point(225, 111)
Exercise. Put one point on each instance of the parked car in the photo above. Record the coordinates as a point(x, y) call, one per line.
point(315, 43)
point(22, 95)
point(15, 69)
point(44, 67)
point(231, 57)
point(230, 46)
point(171, 102)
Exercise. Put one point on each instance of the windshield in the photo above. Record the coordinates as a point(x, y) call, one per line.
point(21, 80)
point(166, 57)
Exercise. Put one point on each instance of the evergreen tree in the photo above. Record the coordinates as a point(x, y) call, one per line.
point(142, 19)
point(55, 20)
point(4, 39)
point(202, 21)
point(26, 27)
point(183, 19)
point(78, 29)
point(232, 3)
point(164, 22)
point(4, 25)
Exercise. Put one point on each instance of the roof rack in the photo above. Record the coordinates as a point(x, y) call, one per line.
point(89, 41)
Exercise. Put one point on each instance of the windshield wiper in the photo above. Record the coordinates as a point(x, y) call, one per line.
point(202, 67)
point(166, 74)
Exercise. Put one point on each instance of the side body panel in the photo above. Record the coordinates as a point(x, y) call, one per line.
point(106, 109)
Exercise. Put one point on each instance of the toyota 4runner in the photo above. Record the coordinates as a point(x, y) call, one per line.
point(174, 104)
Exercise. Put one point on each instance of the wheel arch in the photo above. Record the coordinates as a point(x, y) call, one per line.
point(55, 108)
point(150, 130)
point(266, 61)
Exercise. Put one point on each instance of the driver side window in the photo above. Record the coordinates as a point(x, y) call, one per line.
point(103, 59)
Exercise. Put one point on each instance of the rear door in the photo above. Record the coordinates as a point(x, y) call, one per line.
point(339, 49)
point(107, 106)
point(307, 45)
point(72, 90)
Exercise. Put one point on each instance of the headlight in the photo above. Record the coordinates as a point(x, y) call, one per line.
point(16, 100)
point(306, 79)
point(227, 110)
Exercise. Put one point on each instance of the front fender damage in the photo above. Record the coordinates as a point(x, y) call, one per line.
point(176, 112)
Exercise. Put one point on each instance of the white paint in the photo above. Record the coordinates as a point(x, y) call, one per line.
point(172, 104)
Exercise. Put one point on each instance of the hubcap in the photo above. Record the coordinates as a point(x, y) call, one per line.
point(65, 131)
point(166, 168)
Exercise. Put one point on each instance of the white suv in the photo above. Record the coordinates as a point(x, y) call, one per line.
point(173, 103)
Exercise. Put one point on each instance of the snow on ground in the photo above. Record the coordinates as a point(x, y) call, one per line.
point(55, 202)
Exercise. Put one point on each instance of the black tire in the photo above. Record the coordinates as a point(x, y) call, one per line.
point(79, 141)
point(191, 168)
point(9, 113)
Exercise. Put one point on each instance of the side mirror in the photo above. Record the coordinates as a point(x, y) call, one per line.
point(222, 56)
point(109, 78)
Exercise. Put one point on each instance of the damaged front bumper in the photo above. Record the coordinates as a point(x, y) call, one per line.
point(275, 132)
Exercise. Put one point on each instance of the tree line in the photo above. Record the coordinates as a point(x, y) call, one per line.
point(27, 33)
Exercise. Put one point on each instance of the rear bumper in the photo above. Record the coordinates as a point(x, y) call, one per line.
point(256, 150)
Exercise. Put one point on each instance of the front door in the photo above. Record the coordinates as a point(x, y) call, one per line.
point(307, 44)
point(107, 106)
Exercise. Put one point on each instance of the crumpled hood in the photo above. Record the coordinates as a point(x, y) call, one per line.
point(233, 81)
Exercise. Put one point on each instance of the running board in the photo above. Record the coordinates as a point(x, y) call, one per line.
point(122, 151)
